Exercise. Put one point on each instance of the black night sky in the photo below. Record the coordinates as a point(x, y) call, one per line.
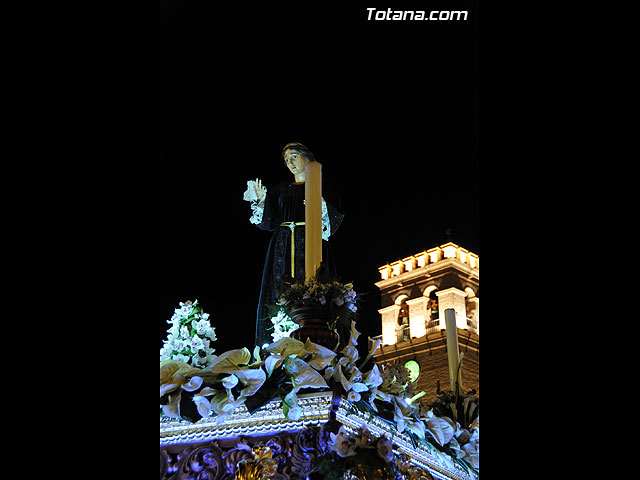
point(389, 108)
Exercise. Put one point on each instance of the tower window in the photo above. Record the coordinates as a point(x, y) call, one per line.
point(403, 316)
point(403, 332)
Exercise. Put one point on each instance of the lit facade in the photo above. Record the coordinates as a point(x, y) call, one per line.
point(415, 292)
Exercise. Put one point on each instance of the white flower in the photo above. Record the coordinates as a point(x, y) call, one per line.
point(201, 326)
point(385, 449)
point(193, 384)
point(196, 343)
point(294, 413)
point(181, 345)
point(320, 356)
point(290, 406)
point(441, 429)
point(282, 326)
point(303, 375)
point(203, 405)
point(350, 355)
point(342, 444)
point(211, 334)
point(230, 382)
point(196, 360)
point(359, 387)
point(328, 373)
point(373, 378)
point(353, 339)
point(184, 332)
point(182, 358)
point(353, 396)
point(252, 379)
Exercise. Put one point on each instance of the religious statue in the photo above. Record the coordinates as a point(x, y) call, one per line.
point(281, 210)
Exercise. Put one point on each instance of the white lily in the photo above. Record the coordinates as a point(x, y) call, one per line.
point(472, 449)
point(350, 355)
point(252, 379)
point(222, 404)
point(193, 384)
point(373, 378)
point(290, 406)
point(385, 449)
point(376, 343)
point(353, 338)
point(403, 412)
point(172, 408)
point(441, 429)
point(280, 350)
point(338, 374)
point(342, 444)
point(286, 346)
point(203, 405)
point(230, 382)
point(230, 360)
point(320, 356)
point(359, 387)
point(353, 396)
point(417, 427)
point(303, 375)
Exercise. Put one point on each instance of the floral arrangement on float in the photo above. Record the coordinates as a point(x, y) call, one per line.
point(315, 301)
point(190, 336)
point(283, 369)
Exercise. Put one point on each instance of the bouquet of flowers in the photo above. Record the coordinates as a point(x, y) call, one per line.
point(333, 294)
point(190, 336)
point(338, 299)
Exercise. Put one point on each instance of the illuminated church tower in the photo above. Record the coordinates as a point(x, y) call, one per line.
point(415, 292)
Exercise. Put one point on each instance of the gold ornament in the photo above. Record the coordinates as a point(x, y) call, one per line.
point(409, 471)
point(260, 468)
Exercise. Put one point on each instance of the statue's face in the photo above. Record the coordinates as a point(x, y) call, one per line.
point(295, 161)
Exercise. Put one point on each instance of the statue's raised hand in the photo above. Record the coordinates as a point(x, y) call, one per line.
point(260, 189)
point(255, 191)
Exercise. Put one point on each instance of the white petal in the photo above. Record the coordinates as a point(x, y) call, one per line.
point(193, 384)
point(252, 379)
point(441, 429)
point(272, 362)
point(230, 360)
point(359, 387)
point(294, 413)
point(230, 382)
point(321, 356)
point(203, 405)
